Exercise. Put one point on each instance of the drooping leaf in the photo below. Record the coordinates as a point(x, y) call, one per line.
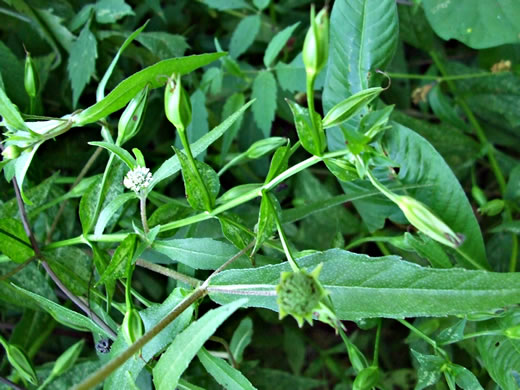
point(383, 287)
point(224, 374)
point(185, 346)
point(264, 91)
point(82, 62)
point(244, 35)
point(485, 24)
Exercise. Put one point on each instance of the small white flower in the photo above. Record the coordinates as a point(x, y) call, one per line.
point(137, 179)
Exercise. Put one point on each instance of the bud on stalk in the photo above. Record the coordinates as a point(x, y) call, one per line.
point(11, 152)
point(132, 118)
point(316, 44)
point(132, 326)
point(177, 105)
point(31, 79)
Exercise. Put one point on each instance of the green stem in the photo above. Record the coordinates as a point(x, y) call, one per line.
point(168, 272)
point(144, 219)
point(375, 361)
point(477, 334)
point(430, 341)
point(310, 103)
point(283, 238)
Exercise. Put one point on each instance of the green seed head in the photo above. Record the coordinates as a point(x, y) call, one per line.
point(177, 103)
point(299, 294)
point(316, 44)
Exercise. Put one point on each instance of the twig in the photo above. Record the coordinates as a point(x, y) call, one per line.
point(10, 384)
point(168, 272)
point(81, 175)
point(53, 276)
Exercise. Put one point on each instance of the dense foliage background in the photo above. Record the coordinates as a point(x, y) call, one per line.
point(433, 313)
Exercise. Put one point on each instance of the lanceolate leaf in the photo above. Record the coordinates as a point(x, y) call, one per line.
point(420, 163)
point(179, 354)
point(264, 91)
point(244, 35)
point(363, 37)
point(277, 44)
point(361, 286)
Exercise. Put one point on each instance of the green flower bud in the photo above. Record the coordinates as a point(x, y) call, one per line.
point(492, 207)
point(316, 44)
point(31, 79)
point(177, 103)
point(11, 152)
point(420, 216)
point(299, 294)
point(513, 332)
point(67, 359)
point(366, 379)
point(478, 195)
point(132, 326)
point(19, 360)
point(132, 118)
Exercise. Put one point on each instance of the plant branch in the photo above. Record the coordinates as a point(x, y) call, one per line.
point(168, 272)
point(144, 219)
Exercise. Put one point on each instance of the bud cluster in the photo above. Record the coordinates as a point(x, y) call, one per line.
point(138, 179)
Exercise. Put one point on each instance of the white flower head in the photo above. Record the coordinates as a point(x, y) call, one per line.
point(138, 179)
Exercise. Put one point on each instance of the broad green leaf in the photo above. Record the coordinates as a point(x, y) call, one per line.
point(363, 37)
point(14, 243)
point(63, 315)
point(429, 371)
point(421, 164)
point(264, 91)
point(444, 108)
point(185, 346)
point(121, 153)
point(163, 45)
point(201, 182)
point(12, 73)
point(225, 5)
point(485, 24)
point(291, 77)
point(429, 249)
point(383, 287)
point(224, 374)
point(75, 375)
point(82, 62)
point(464, 378)
point(128, 88)
point(241, 339)
point(110, 209)
point(304, 128)
point(277, 44)
point(499, 354)
point(233, 103)
point(150, 316)
point(234, 230)
point(110, 11)
point(172, 165)
point(244, 35)
point(122, 256)
point(199, 253)
point(72, 266)
point(414, 29)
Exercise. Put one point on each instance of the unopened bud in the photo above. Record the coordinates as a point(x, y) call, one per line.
point(132, 326)
point(492, 208)
point(19, 360)
point(316, 44)
point(177, 103)
point(11, 152)
point(366, 379)
point(31, 79)
point(67, 359)
point(132, 118)
point(478, 195)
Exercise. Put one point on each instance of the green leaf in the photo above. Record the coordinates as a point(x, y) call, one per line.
point(429, 249)
point(121, 153)
point(14, 243)
point(264, 91)
point(383, 287)
point(464, 378)
point(128, 88)
point(110, 11)
point(420, 163)
point(21, 166)
point(199, 253)
point(10, 113)
point(499, 354)
point(12, 74)
point(122, 256)
point(444, 108)
point(511, 227)
point(277, 44)
point(201, 182)
point(363, 37)
point(163, 45)
point(279, 162)
point(63, 315)
point(414, 29)
point(72, 266)
point(233, 103)
point(234, 230)
point(484, 24)
point(172, 165)
point(199, 125)
point(241, 339)
point(150, 316)
point(82, 62)
point(87, 206)
point(110, 209)
point(244, 35)
point(429, 371)
point(185, 346)
point(302, 121)
point(261, 4)
point(225, 5)
point(224, 374)
point(266, 225)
